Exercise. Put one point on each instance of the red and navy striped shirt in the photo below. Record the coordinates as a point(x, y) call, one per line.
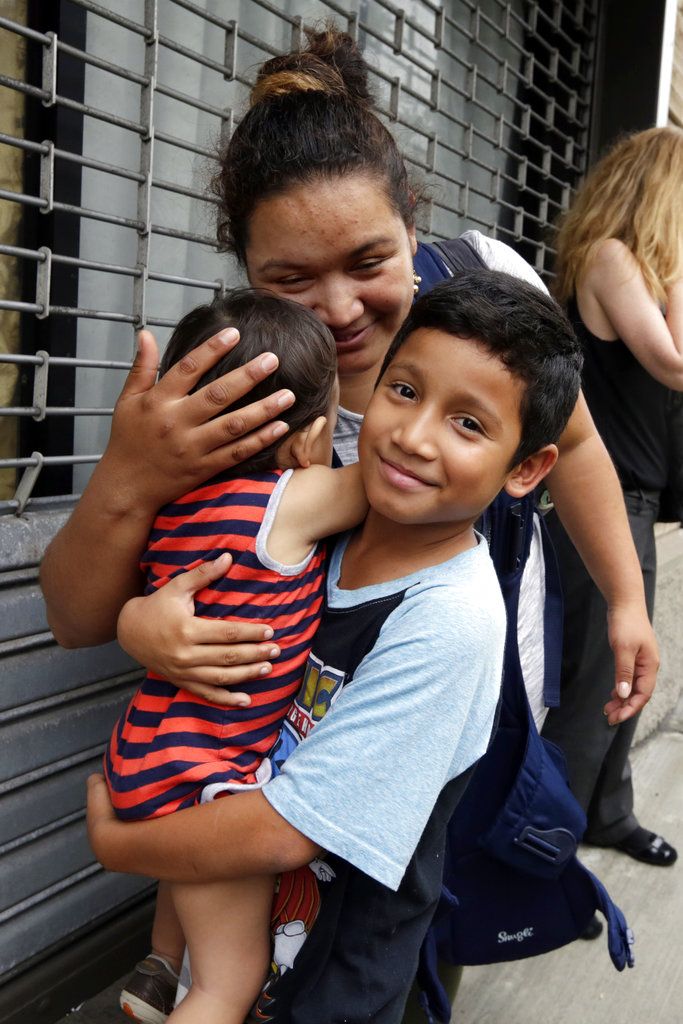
point(170, 744)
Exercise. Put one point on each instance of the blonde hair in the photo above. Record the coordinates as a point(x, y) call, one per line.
point(634, 194)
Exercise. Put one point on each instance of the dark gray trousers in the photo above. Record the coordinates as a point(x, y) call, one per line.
point(597, 753)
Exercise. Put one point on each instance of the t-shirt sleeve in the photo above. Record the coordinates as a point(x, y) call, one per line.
point(418, 712)
point(499, 256)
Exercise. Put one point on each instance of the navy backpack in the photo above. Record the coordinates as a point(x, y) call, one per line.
point(513, 886)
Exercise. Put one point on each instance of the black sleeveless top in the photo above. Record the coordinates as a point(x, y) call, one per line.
point(628, 406)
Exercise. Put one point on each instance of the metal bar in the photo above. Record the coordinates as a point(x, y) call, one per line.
point(37, 413)
point(23, 30)
point(146, 161)
point(191, 147)
point(193, 101)
point(102, 364)
point(108, 15)
point(49, 460)
point(99, 62)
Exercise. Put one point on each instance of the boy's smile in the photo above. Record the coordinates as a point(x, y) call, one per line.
point(440, 432)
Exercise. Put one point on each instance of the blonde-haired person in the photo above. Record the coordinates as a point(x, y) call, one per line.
point(620, 274)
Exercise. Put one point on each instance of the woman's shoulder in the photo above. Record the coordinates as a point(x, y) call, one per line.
point(611, 255)
point(498, 255)
point(610, 266)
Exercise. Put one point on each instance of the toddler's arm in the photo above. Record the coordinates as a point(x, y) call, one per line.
point(317, 502)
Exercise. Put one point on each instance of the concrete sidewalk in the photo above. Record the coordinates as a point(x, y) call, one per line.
point(577, 984)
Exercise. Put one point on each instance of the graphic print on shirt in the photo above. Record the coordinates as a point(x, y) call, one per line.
point(345, 637)
point(319, 689)
point(295, 910)
point(297, 900)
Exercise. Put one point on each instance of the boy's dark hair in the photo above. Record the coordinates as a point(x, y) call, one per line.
point(521, 325)
point(267, 323)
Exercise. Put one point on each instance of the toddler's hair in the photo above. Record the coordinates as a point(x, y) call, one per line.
point(520, 325)
point(267, 323)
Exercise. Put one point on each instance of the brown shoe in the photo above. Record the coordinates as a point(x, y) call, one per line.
point(149, 994)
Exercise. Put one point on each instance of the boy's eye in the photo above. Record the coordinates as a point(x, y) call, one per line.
point(469, 424)
point(404, 391)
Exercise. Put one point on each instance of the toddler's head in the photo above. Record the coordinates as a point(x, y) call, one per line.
point(307, 358)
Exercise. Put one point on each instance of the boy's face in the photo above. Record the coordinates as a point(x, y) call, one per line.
point(440, 431)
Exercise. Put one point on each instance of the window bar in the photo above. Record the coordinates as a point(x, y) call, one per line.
point(146, 162)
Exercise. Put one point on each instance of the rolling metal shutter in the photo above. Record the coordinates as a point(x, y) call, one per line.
point(111, 112)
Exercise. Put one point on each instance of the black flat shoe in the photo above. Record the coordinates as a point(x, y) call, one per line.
point(593, 929)
point(648, 847)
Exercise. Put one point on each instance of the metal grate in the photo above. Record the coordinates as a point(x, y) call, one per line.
point(489, 100)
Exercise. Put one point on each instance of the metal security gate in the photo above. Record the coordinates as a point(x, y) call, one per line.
point(109, 117)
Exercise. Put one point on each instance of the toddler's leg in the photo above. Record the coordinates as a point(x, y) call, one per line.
point(226, 927)
point(149, 993)
point(168, 940)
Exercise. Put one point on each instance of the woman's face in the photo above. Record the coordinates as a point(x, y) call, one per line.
point(338, 247)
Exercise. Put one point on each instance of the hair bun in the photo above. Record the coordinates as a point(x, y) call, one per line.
point(331, 64)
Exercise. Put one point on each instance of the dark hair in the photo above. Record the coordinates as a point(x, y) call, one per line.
point(520, 325)
point(311, 116)
point(267, 323)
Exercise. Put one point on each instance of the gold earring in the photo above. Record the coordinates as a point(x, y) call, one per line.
point(417, 280)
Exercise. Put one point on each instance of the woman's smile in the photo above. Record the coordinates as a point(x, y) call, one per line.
point(352, 338)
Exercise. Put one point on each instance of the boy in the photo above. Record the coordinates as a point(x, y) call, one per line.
point(474, 392)
point(172, 750)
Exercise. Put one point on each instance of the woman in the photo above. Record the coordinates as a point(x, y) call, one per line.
point(316, 204)
point(619, 264)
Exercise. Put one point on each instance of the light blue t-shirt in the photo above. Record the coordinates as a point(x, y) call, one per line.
point(418, 713)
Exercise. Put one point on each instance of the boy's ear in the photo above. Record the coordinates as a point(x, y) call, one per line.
point(304, 441)
point(528, 473)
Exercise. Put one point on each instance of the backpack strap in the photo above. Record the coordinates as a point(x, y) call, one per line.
point(553, 622)
point(458, 254)
point(620, 937)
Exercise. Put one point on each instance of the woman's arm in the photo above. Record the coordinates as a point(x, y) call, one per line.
point(589, 501)
point(164, 441)
point(215, 841)
point(614, 302)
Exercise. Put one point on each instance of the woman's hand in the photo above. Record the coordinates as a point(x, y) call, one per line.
point(165, 441)
point(636, 660)
point(200, 655)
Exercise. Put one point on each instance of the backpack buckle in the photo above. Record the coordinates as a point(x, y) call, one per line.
point(555, 845)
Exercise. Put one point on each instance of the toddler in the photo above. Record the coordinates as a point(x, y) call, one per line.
point(170, 749)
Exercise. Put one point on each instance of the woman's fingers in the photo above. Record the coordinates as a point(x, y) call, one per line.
point(211, 683)
point(208, 401)
point(183, 375)
point(143, 373)
point(224, 658)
